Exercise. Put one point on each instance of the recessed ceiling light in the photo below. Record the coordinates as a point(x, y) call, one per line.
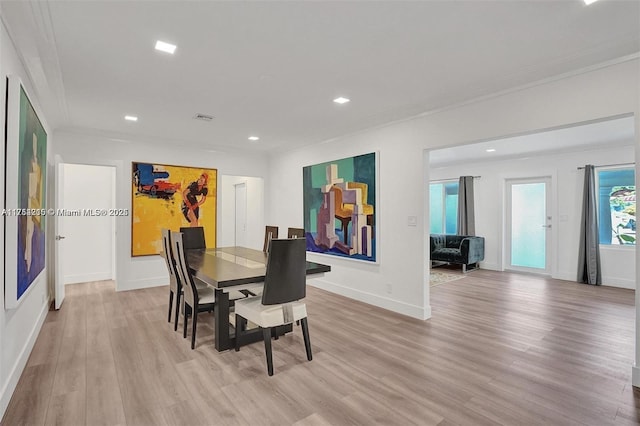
point(588, 2)
point(341, 100)
point(491, 150)
point(253, 138)
point(131, 118)
point(165, 47)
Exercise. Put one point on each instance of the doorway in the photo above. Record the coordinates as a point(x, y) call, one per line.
point(89, 235)
point(528, 225)
point(241, 214)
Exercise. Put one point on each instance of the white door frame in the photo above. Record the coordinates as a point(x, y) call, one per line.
point(59, 234)
point(114, 166)
point(550, 237)
point(240, 215)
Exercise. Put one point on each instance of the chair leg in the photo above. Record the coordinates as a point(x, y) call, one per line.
point(193, 330)
point(307, 341)
point(239, 330)
point(266, 332)
point(170, 305)
point(175, 326)
point(186, 320)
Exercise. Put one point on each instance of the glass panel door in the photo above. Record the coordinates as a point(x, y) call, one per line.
point(528, 225)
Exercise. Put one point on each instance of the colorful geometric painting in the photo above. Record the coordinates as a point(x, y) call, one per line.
point(340, 207)
point(32, 168)
point(171, 197)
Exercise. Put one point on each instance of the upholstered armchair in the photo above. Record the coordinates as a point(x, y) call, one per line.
point(343, 211)
point(367, 209)
point(458, 249)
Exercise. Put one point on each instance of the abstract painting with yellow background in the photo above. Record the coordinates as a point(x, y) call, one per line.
point(165, 196)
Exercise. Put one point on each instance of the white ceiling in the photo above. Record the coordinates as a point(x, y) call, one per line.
point(608, 133)
point(272, 68)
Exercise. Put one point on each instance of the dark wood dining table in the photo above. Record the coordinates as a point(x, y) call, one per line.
point(234, 268)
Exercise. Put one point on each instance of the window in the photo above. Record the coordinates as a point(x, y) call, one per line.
point(617, 206)
point(443, 207)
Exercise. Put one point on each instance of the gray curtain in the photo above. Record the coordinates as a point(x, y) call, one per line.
point(466, 217)
point(589, 253)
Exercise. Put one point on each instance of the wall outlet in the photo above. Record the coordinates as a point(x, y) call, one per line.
point(389, 288)
point(412, 220)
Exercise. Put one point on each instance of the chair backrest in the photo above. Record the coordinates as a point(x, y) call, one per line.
point(270, 233)
point(364, 190)
point(342, 209)
point(295, 233)
point(193, 237)
point(286, 277)
point(190, 292)
point(167, 254)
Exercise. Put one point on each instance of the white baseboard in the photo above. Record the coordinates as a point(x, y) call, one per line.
point(635, 376)
point(606, 280)
point(490, 266)
point(619, 282)
point(85, 278)
point(17, 369)
point(373, 299)
point(566, 276)
point(143, 283)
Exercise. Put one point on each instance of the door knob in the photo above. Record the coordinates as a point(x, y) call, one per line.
point(60, 237)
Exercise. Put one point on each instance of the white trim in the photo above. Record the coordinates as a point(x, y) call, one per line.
point(413, 311)
point(143, 283)
point(618, 282)
point(85, 278)
point(635, 376)
point(490, 266)
point(21, 362)
point(566, 276)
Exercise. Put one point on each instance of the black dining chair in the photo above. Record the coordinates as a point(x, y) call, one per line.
point(295, 233)
point(196, 299)
point(175, 285)
point(270, 233)
point(193, 238)
point(171, 267)
point(280, 304)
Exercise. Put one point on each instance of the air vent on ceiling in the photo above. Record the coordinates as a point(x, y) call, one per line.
point(203, 117)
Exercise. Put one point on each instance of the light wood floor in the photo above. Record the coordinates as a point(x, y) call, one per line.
point(500, 349)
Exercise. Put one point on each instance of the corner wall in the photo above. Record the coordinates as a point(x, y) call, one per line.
point(19, 327)
point(404, 173)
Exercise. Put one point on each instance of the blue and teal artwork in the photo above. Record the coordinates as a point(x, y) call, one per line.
point(340, 207)
point(32, 161)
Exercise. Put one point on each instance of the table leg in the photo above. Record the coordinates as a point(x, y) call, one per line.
point(221, 315)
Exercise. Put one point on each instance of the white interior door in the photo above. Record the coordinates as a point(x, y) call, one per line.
point(59, 233)
point(528, 241)
point(241, 214)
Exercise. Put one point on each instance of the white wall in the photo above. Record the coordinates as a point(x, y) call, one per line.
point(88, 243)
point(18, 327)
point(618, 263)
point(255, 211)
point(404, 173)
point(147, 271)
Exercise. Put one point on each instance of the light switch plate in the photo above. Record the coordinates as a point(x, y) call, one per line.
point(412, 220)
